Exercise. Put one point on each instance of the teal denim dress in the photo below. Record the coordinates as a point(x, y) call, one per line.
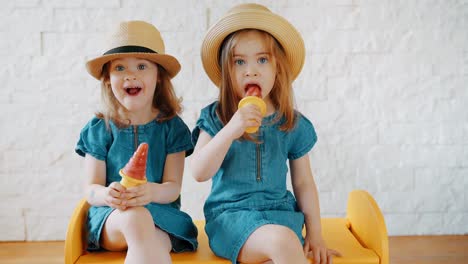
point(249, 189)
point(115, 147)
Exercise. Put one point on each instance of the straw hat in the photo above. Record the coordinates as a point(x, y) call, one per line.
point(134, 39)
point(253, 16)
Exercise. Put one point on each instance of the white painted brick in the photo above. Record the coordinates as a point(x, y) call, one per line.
point(455, 83)
point(342, 17)
point(464, 69)
point(184, 19)
point(391, 202)
point(451, 133)
point(454, 15)
point(436, 200)
point(63, 4)
point(316, 18)
point(337, 65)
point(42, 228)
point(409, 134)
point(432, 156)
point(345, 134)
point(12, 164)
point(193, 195)
point(332, 179)
point(442, 188)
point(86, 20)
point(455, 223)
point(311, 87)
point(316, 110)
point(386, 180)
point(20, 44)
point(398, 87)
point(332, 202)
point(173, 4)
point(26, 3)
point(66, 44)
point(27, 21)
point(12, 225)
point(345, 88)
point(414, 224)
point(18, 67)
point(375, 17)
point(45, 67)
point(316, 65)
point(102, 4)
point(103, 20)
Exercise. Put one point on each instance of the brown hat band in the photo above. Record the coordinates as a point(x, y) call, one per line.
point(129, 49)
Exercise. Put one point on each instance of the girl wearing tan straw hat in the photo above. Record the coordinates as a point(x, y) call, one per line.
point(140, 106)
point(244, 145)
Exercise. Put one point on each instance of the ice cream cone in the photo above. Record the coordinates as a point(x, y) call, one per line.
point(134, 172)
point(256, 101)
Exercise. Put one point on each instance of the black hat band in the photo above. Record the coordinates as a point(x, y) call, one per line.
point(129, 49)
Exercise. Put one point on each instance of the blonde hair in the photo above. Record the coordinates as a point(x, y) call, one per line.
point(164, 99)
point(281, 94)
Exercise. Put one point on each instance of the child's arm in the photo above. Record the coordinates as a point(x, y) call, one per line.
point(306, 194)
point(166, 192)
point(209, 152)
point(95, 191)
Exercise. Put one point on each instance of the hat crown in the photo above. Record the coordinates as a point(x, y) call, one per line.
point(136, 33)
point(134, 39)
point(248, 7)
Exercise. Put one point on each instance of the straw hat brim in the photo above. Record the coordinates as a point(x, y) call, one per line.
point(285, 33)
point(168, 62)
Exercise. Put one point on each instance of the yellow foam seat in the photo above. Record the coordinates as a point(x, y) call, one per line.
point(338, 236)
point(361, 237)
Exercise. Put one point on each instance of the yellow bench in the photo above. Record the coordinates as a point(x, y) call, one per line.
point(361, 237)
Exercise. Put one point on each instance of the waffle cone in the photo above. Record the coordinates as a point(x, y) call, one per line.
point(128, 181)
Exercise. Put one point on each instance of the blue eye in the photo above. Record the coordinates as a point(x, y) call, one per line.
point(141, 66)
point(239, 62)
point(263, 60)
point(119, 68)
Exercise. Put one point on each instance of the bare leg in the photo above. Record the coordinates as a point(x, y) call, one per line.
point(134, 229)
point(272, 243)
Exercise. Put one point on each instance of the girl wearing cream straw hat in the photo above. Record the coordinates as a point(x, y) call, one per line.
point(245, 139)
point(140, 106)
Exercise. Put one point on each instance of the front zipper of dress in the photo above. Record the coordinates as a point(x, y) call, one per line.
point(135, 137)
point(259, 163)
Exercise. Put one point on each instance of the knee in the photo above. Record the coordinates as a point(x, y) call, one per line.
point(283, 239)
point(137, 219)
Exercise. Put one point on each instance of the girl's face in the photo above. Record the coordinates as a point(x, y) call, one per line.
point(133, 83)
point(253, 64)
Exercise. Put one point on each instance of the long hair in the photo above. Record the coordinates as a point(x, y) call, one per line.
point(164, 99)
point(281, 94)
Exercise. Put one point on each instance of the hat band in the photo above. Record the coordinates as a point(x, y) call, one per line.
point(129, 49)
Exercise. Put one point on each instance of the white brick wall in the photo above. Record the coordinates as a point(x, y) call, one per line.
point(385, 83)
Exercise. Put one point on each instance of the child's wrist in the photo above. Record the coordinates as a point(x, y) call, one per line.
point(227, 134)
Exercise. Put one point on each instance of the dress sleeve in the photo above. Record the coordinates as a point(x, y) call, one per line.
point(95, 139)
point(302, 139)
point(179, 137)
point(207, 122)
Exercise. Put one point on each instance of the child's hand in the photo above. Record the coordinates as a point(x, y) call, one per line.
point(247, 116)
point(139, 195)
point(115, 197)
point(316, 249)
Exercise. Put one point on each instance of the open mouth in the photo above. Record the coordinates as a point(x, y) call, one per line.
point(133, 90)
point(253, 89)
